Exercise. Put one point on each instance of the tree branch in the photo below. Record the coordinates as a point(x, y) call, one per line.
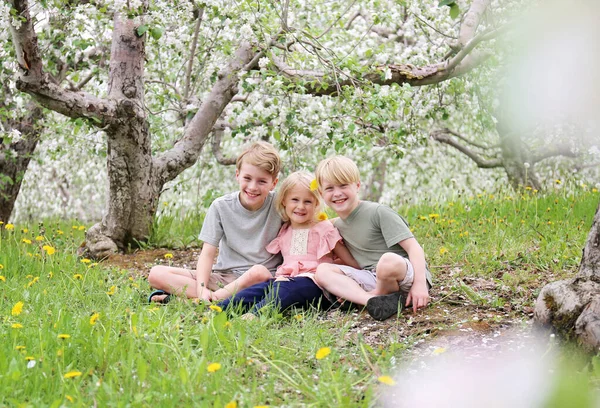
point(442, 137)
point(188, 73)
point(217, 151)
point(552, 151)
point(471, 21)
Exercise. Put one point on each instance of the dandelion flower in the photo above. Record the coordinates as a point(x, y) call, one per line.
point(59, 232)
point(322, 216)
point(85, 261)
point(19, 348)
point(314, 185)
point(386, 379)
point(212, 367)
point(81, 227)
point(322, 353)
point(215, 308)
point(71, 399)
point(111, 291)
point(29, 358)
point(2, 278)
point(232, 404)
point(1, 266)
point(39, 238)
point(49, 250)
point(64, 336)
point(438, 351)
point(9, 227)
point(443, 250)
point(26, 241)
point(558, 181)
point(17, 326)
point(78, 276)
point(433, 216)
point(169, 256)
point(94, 318)
point(298, 317)
point(17, 309)
point(72, 374)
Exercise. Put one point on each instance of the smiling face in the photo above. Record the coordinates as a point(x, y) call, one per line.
point(342, 198)
point(255, 184)
point(300, 206)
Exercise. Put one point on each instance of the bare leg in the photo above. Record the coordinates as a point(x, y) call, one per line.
point(252, 276)
point(332, 279)
point(391, 269)
point(177, 281)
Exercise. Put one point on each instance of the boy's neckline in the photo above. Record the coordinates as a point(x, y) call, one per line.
point(351, 212)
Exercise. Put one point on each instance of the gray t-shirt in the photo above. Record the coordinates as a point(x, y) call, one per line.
point(371, 230)
point(240, 234)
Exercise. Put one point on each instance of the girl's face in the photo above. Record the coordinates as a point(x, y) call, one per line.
point(300, 206)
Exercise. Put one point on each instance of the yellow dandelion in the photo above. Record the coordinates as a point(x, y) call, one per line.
point(94, 318)
point(25, 230)
point(50, 274)
point(169, 256)
point(2, 278)
point(433, 216)
point(73, 374)
point(78, 276)
point(17, 309)
point(49, 250)
point(39, 238)
point(204, 319)
point(20, 348)
point(74, 227)
point(9, 227)
point(29, 358)
point(27, 241)
point(322, 216)
point(59, 232)
point(17, 326)
point(314, 185)
point(212, 367)
point(71, 399)
point(81, 227)
point(557, 181)
point(386, 379)
point(232, 404)
point(1, 266)
point(438, 351)
point(594, 190)
point(111, 291)
point(64, 336)
point(85, 261)
point(298, 317)
point(443, 250)
point(322, 353)
point(215, 308)
point(422, 218)
point(227, 324)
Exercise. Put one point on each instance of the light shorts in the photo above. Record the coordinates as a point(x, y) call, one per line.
point(368, 279)
point(217, 280)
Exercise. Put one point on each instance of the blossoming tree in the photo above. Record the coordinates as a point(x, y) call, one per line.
point(185, 64)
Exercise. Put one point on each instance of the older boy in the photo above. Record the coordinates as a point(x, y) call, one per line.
point(391, 260)
point(239, 225)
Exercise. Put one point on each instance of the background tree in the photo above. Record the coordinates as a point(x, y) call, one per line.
point(136, 175)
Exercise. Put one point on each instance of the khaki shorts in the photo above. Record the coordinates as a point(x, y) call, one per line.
point(368, 279)
point(217, 280)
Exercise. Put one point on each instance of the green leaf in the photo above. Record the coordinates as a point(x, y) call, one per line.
point(446, 3)
point(156, 32)
point(141, 30)
point(454, 11)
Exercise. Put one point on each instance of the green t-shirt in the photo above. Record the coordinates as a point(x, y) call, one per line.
point(371, 230)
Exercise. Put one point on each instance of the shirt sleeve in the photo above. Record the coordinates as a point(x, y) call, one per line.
point(393, 227)
point(212, 228)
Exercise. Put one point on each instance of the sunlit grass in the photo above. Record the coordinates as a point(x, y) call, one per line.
point(81, 333)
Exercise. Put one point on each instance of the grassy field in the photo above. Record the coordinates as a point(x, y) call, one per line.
point(80, 333)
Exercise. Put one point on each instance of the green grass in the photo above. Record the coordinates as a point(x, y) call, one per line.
point(124, 352)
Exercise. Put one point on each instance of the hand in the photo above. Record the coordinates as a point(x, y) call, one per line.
point(204, 296)
point(418, 296)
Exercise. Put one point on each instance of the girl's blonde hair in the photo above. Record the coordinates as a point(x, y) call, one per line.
point(337, 170)
point(298, 178)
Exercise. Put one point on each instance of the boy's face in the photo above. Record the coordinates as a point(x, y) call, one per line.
point(342, 198)
point(255, 184)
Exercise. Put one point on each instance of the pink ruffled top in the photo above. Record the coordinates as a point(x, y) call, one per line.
point(304, 249)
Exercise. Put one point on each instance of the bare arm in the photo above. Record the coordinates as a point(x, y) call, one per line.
point(344, 256)
point(204, 269)
point(419, 293)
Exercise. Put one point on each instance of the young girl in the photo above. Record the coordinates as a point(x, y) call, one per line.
point(305, 242)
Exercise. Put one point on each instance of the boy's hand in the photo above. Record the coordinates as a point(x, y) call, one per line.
point(418, 296)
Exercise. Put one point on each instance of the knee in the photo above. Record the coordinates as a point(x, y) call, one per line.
point(323, 270)
point(155, 275)
point(391, 265)
point(259, 273)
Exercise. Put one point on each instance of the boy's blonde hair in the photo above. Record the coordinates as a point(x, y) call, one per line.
point(298, 178)
point(337, 170)
point(262, 155)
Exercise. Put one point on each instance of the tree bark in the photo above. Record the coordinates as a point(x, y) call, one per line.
point(517, 163)
point(15, 158)
point(572, 307)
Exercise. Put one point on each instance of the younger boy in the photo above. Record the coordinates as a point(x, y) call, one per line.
point(239, 225)
point(391, 260)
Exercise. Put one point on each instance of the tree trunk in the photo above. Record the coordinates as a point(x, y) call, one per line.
point(15, 158)
point(514, 157)
point(572, 307)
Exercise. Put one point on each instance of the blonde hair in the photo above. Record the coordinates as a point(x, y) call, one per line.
point(337, 170)
point(298, 178)
point(262, 155)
